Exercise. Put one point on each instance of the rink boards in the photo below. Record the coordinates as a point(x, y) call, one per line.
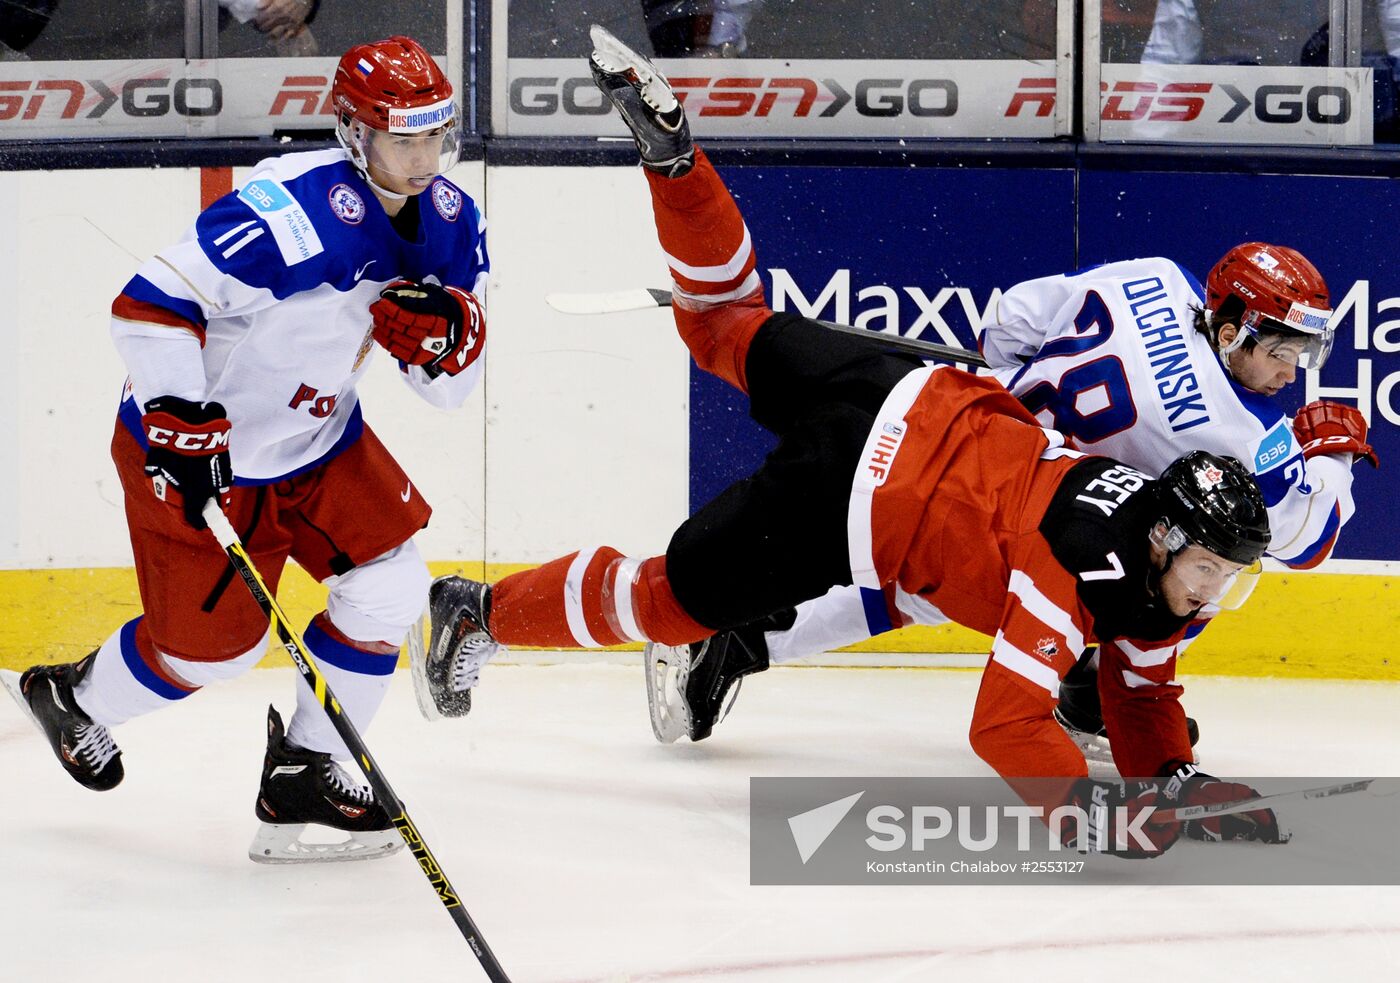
point(591, 431)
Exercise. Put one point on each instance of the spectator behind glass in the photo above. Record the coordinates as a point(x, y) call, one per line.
point(699, 28)
point(1279, 32)
point(280, 25)
point(93, 30)
point(1260, 32)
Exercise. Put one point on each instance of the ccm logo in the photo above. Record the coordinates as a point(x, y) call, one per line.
point(189, 443)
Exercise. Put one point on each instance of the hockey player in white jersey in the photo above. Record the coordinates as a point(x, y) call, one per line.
point(245, 342)
point(1136, 361)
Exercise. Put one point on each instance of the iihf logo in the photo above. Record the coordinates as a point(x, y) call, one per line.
point(447, 200)
point(347, 204)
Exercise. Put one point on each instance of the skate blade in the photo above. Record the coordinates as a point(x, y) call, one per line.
point(610, 54)
point(452, 705)
point(670, 714)
point(615, 58)
point(10, 680)
point(1098, 754)
point(282, 844)
point(418, 669)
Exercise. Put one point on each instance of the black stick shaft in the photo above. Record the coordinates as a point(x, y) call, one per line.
point(915, 346)
point(306, 665)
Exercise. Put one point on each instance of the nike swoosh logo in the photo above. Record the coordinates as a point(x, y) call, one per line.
point(361, 271)
point(407, 492)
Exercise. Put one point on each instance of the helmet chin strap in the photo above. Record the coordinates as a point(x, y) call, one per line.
point(1224, 350)
point(361, 162)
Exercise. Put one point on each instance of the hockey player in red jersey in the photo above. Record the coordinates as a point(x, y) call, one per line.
point(890, 472)
point(244, 343)
point(1162, 364)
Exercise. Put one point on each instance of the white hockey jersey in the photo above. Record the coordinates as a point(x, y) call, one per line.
point(263, 306)
point(1109, 357)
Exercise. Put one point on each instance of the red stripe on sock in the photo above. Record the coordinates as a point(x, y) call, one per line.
point(527, 608)
point(699, 224)
point(659, 614)
point(719, 337)
point(599, 602)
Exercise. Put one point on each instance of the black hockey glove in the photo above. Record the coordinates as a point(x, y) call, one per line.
point(1119, 819)
point(188, 461)
point(439, 328)
point(1199, 789)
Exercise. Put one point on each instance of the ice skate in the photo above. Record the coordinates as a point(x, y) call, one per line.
point(85, 749)
point(646, 103)
point(687, 685)
point(305, 789)
point(459, 644)
point(1081, 716)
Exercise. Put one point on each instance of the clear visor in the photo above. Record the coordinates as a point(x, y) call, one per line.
point(1305, 347)
point(1209, 577)
point(410, 158)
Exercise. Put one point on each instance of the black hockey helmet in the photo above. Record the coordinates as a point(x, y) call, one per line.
point(1213, 502)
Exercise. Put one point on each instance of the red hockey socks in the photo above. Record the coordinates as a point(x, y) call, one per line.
point(591, 599)
point(719, 300)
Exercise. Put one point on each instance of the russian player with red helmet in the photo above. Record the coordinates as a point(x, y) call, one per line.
point(244, 343)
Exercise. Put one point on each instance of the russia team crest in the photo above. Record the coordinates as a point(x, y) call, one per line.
point(447, 200)
point(347, 204)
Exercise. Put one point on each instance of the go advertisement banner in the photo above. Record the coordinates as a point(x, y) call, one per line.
point(760, 97)
point(232, 97)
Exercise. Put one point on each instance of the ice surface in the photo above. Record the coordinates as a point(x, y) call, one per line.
point(586, 851)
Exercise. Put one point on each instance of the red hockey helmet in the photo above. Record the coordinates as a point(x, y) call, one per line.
point(394, 86)
point(1286, 306)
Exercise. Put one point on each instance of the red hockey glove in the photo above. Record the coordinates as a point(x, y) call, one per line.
point(187, 459)
point(1201, 789)
point(439, 328)
point(1324, 427)
point(1120, 819)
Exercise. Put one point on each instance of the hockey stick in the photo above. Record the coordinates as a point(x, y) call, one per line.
point(645, 298)
point(1253, 802)
point(306, 665)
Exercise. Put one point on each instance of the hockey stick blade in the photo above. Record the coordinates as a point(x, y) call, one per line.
point(644, 298)
point(640, 299)
point(310, 672)
point(1261, 801)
